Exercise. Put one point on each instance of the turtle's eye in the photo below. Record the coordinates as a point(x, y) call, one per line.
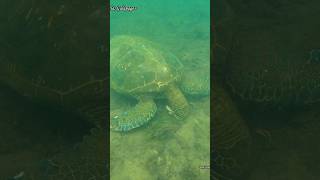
point(314, 55)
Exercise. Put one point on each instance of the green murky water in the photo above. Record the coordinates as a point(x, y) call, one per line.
point(33, 133)
point(165, 147)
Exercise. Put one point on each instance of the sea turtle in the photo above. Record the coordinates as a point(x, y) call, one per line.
point(139, 68)
point(274, 61)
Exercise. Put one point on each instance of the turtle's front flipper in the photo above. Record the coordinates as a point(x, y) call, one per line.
point(135, 117)
point(196, 83)
point(178, 104)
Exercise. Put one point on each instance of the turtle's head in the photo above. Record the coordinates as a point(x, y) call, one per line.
point(113, 119)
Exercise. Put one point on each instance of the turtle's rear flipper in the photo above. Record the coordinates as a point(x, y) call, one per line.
point(134, 117)
point(177, 102)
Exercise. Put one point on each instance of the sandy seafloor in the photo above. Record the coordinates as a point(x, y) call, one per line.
point(166, 148)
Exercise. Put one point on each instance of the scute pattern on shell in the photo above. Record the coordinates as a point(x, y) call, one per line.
point(140, 66)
